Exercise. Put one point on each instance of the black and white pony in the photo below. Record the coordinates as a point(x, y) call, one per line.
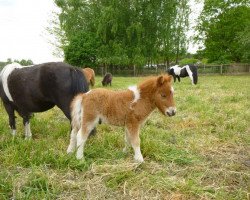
point(38, 88)
point(187, 70)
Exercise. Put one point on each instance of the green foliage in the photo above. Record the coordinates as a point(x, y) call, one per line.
point(24, 62)
point(128, 33)
point(187, 61)
point(82, 49)
point(21, 62)
point(224, 28)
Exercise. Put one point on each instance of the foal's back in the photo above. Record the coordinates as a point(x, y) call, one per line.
point(110, 105)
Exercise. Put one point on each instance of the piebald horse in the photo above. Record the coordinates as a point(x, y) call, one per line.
point(128, 108)
point(187, 70)
point(38, 88)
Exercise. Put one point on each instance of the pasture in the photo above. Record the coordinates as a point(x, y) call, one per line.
point(203, 152)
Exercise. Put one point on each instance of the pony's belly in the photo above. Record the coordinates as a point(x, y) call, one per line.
point(31, 107)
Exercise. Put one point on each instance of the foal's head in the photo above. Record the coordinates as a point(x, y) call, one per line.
point(164, 95)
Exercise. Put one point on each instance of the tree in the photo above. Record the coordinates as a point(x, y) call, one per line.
point(221, 27)
point(129, 33)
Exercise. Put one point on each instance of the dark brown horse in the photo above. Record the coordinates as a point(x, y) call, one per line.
point(107, 79)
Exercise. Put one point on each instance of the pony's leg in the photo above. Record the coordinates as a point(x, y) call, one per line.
point(12, 122)
point(134, 139)
point(72, 144)
point(179, 79)
point(82, 136)
point(26, 123)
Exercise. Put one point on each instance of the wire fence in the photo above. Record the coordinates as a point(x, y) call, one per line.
point(232, 69)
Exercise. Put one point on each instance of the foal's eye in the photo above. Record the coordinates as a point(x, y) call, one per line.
point(163, 95)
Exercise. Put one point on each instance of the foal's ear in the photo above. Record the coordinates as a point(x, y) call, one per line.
point(160, 80)
point(168, 78)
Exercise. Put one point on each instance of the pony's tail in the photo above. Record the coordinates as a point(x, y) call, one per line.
point(195, 74)
point(79, 83)
point(76, 112)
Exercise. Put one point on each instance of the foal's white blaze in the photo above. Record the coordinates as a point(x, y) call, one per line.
point(172, 89)
point(7, 70)
point(136, 92)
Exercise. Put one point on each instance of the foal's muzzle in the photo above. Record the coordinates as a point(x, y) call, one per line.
point(170, 111)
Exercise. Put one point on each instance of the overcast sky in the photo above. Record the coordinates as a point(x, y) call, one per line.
point(23, 32)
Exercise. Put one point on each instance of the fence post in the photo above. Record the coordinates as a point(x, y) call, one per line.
point(221, 69)
point(134, 70)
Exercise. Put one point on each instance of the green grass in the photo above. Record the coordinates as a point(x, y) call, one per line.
point(201, 153)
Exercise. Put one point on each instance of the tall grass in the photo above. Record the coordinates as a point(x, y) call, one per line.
point(201, 153)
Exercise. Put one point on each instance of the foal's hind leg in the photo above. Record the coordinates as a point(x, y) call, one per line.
point(12, 122)
point(72, 144)
point(83, 134)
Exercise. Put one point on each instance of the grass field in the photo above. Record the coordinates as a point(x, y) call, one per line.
point(201, 153)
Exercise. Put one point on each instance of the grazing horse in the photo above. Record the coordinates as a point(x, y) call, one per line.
point(128, 108)
point(107, 79)
point(90, 75)
point(38, 88)
point(187, 70)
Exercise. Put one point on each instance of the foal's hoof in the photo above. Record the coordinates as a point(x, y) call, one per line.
point(125, 150)
point(139, 159)
point(79, 156)
point(70, 150)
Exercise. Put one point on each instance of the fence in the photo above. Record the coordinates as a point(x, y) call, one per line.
point(202, 69)
point(237, 68)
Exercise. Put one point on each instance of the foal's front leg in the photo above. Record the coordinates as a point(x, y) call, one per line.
point(126, 140)
point(134, 139)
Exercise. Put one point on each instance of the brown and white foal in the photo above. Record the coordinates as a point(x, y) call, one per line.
point(128, 108)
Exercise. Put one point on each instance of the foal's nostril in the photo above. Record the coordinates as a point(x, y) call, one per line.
point(173, 113)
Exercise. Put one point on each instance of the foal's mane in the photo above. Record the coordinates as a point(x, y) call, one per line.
point(149, 86)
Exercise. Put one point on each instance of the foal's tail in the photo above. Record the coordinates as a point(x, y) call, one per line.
point(76, 112)
point(79, 83)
